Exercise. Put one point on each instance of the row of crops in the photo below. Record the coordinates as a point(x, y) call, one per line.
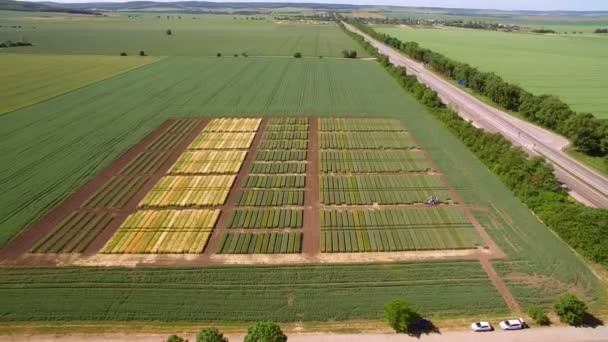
point(260, 243)
point(233, 125)
point(222, 140)
point(80, 228)
point(187, 191)
point(266, 218)
point(372, 162)
point(274, 186)
point(366, 140)
point(209, 161)
point(163, 231)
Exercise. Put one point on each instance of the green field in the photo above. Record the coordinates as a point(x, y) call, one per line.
point(28, 79)
point(204, 36)
point(51, 149)
point(573, 67)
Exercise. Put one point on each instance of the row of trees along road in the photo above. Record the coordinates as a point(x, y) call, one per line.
point(587, 133)
point(531, 180)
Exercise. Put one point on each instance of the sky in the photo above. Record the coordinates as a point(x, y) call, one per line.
point(539, 5)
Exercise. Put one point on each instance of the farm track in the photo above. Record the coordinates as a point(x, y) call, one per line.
point(311, 228)
point(580, 179)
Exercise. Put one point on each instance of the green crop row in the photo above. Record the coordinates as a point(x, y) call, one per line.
point(398, 240)
point(288, 121)
point(394, 218)
point(361, 125)
point(258, 198)
point(145, 163)
point(278, 168)
point(366, 140)
point(266, 218)
point(116, 193)
point(184, 126)
point(283, 145)
point(286, 136)
point(373, 161)
point(381, 182)
point(167, 141)
point(275, 181)
point(263, 243)
point(287, 128)
point(74, 233)
point(384, 197)
point(297, 155)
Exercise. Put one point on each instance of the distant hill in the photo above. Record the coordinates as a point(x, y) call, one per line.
point(24, 6)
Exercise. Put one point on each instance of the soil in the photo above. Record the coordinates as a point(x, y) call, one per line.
point(311, 228)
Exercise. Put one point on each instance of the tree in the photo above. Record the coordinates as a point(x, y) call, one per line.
point(123, 53)
point(401, 316)
point(142, 53)
point(169, 32)
point(219, 54)
point(244, 54)
point(265, 332)
point(297, 55)
point(538, 315)
point(571, 310)
point(175, 338)
point(210, 335)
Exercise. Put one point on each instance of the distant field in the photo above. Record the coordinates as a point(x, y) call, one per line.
point(28, 79)
point(574, 68)
point(204, 36)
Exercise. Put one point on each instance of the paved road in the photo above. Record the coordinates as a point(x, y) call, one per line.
point(555, 334)
point(585, 184)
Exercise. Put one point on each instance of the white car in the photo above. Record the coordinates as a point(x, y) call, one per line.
point(481, 326)
point(513, 324)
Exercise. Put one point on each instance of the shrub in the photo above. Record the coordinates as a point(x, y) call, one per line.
point(219, 54)
point(169, 32)
point(349, 54)
point(175, 338)
point(236, 55)
point(244, 54)
point(538, 315)
point(142, 53)
point(297, 55)
point(571, 310)
point(123, 53)
point(265, 332)
point(401, 316)
point(210, 335)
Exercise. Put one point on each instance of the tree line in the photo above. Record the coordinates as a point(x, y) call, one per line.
point(599, 30)
point(531, 180)
point(587, 133)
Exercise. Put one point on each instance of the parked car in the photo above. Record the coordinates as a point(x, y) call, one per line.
point(513, 324)
point(481, 326)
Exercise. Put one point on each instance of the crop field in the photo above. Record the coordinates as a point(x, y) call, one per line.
point(376, 161)
point(214, 141)
point(192, 35)
point(530, 60)
point(266, 218)
point(261, 243)
point(209, 161)
point(29, 79)
point(163, 231)
point(188, 191)
point(366, 140)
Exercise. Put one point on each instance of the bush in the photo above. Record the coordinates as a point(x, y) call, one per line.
point(297, 55)
point(219, 54)
point(265, 332)
point(571, 310)
point(175, 338)
point(538, 315)
point(142, 53)
point(244, 54)
point(236, 55)
point(123, 53)
point(169, 32)
point(349, 54)
point(210, 335)
point(401, 316)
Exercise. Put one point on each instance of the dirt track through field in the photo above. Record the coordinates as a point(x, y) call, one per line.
point(311, 229)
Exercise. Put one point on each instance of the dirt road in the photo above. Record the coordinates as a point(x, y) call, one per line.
point(556, 334)
point(586, 185)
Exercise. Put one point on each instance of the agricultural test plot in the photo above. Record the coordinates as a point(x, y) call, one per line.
point(375, 185)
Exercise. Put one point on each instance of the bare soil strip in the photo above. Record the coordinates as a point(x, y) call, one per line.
point(233, 197)
point(311, 228)
point(500, 286)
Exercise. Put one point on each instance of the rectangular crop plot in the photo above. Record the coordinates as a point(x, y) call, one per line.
point(167, 141)
point(271, 198)
point(145, 163)
point(163, 231)
point(74, 233)
point(285, 136)
point(364, 161)
point(359, 125)
point(382, 189)
point(288, 121)
point(287, 128)
point(396, 229)
point(233, 125)
point(184, 126)
point(116, 193)
point(277, 168)
point(206, 162)
point(266, 218)
point(261, 243)
point(366, 140)
point(282, 155)
point(222, 140)
point(186, 191)
point(283, 145)
point(278, 181)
